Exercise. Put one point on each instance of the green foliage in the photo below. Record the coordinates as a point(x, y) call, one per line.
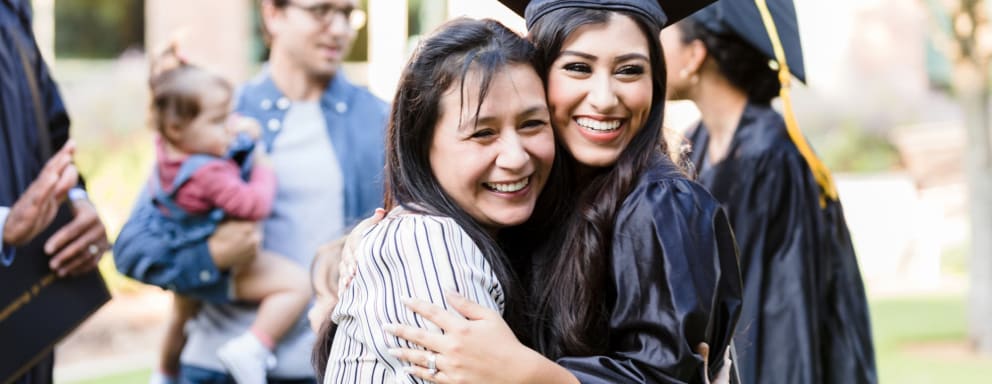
point(851, 149)
point(98, 28)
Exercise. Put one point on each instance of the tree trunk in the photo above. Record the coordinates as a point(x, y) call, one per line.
point(972, 85)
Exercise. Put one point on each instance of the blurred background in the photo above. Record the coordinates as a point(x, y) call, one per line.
point(896, 105)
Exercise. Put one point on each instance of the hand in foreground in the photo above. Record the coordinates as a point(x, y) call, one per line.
point(722, 377)
point(349, 252)
point(36, 208)
point(479, 349)
point(79, 245)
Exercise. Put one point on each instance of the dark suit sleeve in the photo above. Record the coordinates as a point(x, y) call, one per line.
point(674, 271)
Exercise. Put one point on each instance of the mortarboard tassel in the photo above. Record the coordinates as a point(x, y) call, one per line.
point(820, 171)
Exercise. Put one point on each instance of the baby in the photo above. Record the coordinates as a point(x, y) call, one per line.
point(204, 174)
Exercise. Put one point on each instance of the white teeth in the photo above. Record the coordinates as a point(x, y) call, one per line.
point(508, 187)
point(597, 125)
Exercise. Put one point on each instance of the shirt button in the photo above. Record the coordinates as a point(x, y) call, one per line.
point(282, 103)
point(341, 107)
point(273, 125)
point(204, 275)
point(266, 104)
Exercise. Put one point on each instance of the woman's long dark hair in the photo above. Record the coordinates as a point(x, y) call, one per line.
point(741, 63)
point(570, 288)
point(442, 61)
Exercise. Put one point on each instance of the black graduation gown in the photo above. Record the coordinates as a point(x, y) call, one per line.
point(20, 157)
point(805, 317)
point(674, 282)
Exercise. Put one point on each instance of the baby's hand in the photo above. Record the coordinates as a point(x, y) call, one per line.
point(242, 124)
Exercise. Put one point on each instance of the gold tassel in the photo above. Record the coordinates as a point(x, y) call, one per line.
point(820, 171)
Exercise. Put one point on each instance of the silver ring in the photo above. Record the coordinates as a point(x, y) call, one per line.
point(432, 364)
point(93, 249)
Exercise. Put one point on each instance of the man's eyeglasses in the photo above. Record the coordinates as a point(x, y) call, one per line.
point(328, 12)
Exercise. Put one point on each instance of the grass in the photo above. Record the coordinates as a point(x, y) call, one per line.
point(122, 378)
point(923, 340)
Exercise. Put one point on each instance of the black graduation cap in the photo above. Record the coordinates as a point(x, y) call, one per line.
point(742, 18)
point(662, 12)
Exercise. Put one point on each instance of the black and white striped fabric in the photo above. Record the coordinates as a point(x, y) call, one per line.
point(405, 255)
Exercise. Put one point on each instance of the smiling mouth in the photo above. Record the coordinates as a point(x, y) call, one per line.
point(597, 125)
point(515, 186)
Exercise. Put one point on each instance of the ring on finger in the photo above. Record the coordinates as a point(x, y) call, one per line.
point(432, 364)
point(93, 249)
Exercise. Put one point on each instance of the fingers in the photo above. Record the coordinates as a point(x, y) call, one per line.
point(415, 356)
point(53, 174)
point(433, 312)
point(429, 340)
point(348, 265)
point(703, 350)
point(468, 308)
point(84, 218)
point(80, 263)
point(422, 373)
point(355, 236)
point(60, 159)
point(68, 179)
point(73, 244)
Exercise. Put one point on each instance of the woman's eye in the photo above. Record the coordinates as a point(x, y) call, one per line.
point(482, 134)
point(630, 70)
point(533, 124)
point(577, 67)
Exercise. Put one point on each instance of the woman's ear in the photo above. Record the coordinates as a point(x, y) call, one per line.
point(697, 56)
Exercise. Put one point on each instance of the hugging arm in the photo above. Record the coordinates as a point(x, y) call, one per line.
point(410, 256)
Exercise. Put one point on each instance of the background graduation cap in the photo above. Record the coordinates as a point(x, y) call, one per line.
point(771, 26)
point(743, 18)
point(674, 10)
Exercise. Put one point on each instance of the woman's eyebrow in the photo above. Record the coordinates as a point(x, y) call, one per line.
point(583, 55)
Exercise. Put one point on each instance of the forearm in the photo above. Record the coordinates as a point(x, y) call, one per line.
point(540, 370)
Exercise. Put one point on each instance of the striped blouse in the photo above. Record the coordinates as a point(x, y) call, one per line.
point(405, 255)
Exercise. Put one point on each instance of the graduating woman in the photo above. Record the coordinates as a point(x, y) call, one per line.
point(637, 265)
point(805, 317)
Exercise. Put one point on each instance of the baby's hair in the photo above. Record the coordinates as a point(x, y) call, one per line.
point(176, 89)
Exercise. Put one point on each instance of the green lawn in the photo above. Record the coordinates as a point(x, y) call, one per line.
point(920, 340)
point(135, 377)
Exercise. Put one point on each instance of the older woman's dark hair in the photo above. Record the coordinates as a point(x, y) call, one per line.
point(743, 65)
point(571, 302)
point(442, 61)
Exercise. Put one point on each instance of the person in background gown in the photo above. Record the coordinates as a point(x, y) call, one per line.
point(805, 316)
